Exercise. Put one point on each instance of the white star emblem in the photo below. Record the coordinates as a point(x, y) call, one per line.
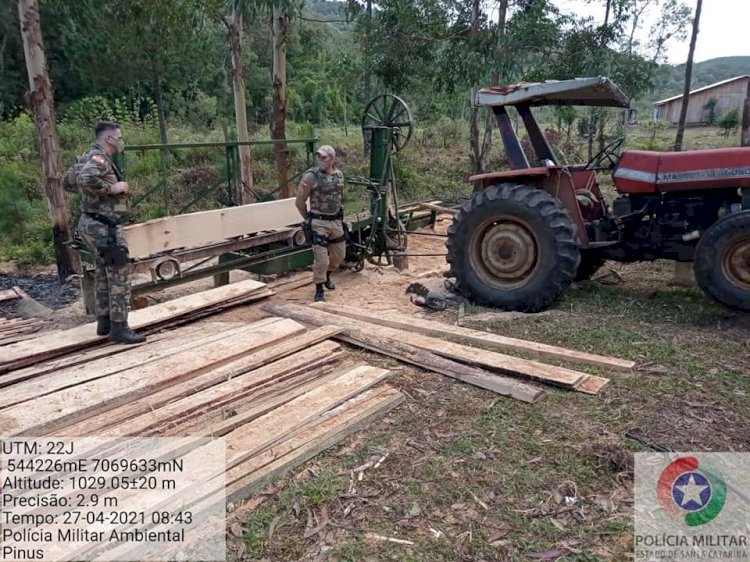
point(691, 491)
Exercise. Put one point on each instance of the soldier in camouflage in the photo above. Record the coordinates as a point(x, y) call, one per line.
point(324, 187)
point(104, 205)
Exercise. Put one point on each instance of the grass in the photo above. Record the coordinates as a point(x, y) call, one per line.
point(470, 476)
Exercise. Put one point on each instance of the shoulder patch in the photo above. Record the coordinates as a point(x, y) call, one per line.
point(99, 159)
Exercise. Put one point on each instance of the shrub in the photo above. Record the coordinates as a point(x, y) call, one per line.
point(729, 122)
point(15, 208)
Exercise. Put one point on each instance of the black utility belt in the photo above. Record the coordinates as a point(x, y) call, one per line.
point(318, 216)
point(103, 219)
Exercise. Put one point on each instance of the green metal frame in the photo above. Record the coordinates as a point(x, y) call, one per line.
point(230, 179)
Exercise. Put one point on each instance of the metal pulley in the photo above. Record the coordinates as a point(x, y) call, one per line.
point(391, 112)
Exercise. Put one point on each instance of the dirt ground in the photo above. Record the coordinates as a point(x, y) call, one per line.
point(463, 474)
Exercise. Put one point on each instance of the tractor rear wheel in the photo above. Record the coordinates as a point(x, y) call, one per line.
point(722, 261)
point(513, 247)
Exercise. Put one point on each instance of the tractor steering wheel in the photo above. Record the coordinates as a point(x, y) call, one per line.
point(609, 154)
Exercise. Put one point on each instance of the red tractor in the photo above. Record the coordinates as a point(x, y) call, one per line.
point(529, 232)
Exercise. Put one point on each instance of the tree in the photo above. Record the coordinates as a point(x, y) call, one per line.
point(688, 76)
point(42, 104)
point(710, 108)
point(479, 155)
point(234, 28)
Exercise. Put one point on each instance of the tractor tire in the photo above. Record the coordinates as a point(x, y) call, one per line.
point(722, 261)
point(513, 247)
point(591, 262)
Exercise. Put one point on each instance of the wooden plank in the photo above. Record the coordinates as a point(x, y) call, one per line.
point(178, 342)
point(251, 407)
point(507, 364)
point(56, 411)
point(371, 338)
point(534, 370)
point(475, 337)
point(8, 294)
point(46, 347)
point(174, 392)
point(212, 390)
point(58, 364)
point(7, 340)
point(438, 208)
point(251, 438)
point(592, 385)
point(310, 441)
point(206, 227)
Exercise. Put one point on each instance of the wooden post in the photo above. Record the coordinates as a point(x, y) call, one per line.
point(745, 136)
point(43, 107)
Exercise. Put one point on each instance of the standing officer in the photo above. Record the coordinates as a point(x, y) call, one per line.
point(324, 186)
point(104, 204)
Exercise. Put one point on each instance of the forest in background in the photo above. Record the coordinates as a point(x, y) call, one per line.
point(164, 71)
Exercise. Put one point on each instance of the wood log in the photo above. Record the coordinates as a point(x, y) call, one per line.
point(475, 337)
point(370, 337)
point(54, 412)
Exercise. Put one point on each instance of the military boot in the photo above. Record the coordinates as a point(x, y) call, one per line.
point(102, 325)
point(122, 333)
point(329, 284)
point(319, 296)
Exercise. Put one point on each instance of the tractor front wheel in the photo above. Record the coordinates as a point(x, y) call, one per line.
point(514, 247)
point(722, 261)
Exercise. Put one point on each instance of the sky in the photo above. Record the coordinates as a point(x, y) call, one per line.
point(723, 28)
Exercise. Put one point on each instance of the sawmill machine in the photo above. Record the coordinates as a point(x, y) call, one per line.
point(377, 233)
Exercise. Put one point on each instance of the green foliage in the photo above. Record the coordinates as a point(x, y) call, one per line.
point(729, 122)
point(15, 209)
point(710, 109)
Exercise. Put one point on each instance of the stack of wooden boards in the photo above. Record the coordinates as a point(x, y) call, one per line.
point(13, 330)
point(170, 313)
point(461, 353)
point(277, 392)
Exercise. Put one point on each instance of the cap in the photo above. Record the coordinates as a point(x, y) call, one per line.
point(326, 150)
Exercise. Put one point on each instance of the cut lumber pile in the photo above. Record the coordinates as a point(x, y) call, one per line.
point(277, 393)
point(13, 330)
point(206, 227)
point(449, 358)
point(476, 338)
point(170, 313)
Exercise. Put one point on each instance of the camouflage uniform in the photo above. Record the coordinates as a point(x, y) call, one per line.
point(325, 192)
point(101, 230)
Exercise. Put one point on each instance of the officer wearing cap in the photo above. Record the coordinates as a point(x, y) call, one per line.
point(323, 185)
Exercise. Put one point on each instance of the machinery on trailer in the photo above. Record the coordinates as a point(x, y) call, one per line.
point(529, 232)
